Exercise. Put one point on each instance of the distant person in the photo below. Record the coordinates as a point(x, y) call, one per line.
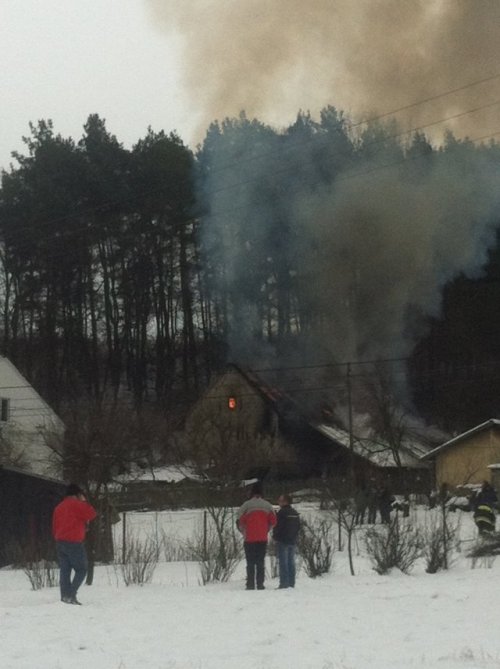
point(256, 518)
point(385, 502)
point(69, 526)
point(361, 504)
point(285, 535)
point(484, 504)
point(372, 502)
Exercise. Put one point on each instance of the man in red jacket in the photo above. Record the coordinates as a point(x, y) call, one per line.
point(256, 517)
point(69, 525)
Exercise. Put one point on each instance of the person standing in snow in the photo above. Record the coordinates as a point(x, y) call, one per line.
point(385, 502)
point(256, 518)
point(361, 504)
point(371, 500)
point(285, 535)
point(69, 525)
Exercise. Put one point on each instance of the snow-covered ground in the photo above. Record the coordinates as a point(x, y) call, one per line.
point(441, 621)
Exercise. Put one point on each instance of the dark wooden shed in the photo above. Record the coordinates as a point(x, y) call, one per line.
point(26, 504)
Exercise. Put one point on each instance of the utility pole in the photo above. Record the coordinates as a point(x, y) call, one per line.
point(349, 407)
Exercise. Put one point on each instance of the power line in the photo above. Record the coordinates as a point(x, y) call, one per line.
point(109, 203)
point(285, 390)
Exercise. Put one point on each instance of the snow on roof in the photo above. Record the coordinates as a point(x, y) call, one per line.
point(169, 474)
point(374, 450)
point(493, 422)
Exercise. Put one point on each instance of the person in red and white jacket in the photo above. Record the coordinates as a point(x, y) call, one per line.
point(69, 526)
point(256, 518)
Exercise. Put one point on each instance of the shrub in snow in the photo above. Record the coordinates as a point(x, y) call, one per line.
point(316, 546)
point(174, 550)
point(216, 548)
point(36, 563)
point(42, 573)
point(440, 540)
point(139, 560)
point(397, 544)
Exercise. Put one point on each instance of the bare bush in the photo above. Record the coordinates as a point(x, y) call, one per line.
point(139, 561)
point(217, 550)
point(38, 563)
point(440, 541)
point(316, 545)
point(395, 545)
point(41, 573)
point(175, 550)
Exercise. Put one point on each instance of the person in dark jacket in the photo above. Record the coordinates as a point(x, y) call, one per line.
point(361, 503)
point(256, 518)
point(372, 505)
point(69, 526)
point(285, 535)
point(385, 502)
point(484, 504)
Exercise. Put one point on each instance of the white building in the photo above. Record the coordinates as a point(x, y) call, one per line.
point(27, 425)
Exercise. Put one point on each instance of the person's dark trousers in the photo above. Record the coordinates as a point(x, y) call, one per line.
point(286, 561)
point(71, 556)
point(255, 553)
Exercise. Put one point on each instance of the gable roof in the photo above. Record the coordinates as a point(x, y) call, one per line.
point(24, 390)
point(487, 425)
point(282, 403)
point(367, 447)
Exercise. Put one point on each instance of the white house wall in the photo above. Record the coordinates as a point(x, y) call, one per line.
point(30, 422)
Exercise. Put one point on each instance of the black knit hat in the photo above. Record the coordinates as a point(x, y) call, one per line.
point(257, 488)
point(72, 490)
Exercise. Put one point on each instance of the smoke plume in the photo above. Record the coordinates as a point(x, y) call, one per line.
point(366, 57)
point(370, 246)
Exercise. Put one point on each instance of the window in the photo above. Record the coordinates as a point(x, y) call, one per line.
point(5, 410)
point(232, 403)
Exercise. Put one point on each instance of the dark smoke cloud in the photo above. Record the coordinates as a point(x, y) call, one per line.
point(389, 244)
point(273, 57)
point(377, 248)
point(370, 252)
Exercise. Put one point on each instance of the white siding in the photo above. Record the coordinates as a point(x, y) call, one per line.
point(30, 420)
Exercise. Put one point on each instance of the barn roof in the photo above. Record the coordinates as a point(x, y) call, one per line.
point(378, 453)
point(366, 446)
point(487, 425)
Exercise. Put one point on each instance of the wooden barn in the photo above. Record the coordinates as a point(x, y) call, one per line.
point(466, 458)
point(265, 432)
point(27, 501)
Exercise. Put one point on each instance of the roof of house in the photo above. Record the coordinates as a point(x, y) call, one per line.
point(365, 446)
point(487, 425)
point(372, 449)
point(30, 474)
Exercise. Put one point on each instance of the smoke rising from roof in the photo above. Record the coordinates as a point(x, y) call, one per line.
point(366, 57)
point(368, 247)
point(364, 250)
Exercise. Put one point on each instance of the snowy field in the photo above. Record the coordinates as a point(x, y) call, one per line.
point(447, 620)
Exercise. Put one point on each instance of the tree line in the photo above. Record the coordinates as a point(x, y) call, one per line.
point(139, 272)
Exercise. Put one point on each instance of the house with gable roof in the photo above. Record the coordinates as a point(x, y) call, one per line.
point(466, 459)
point(240, 402)
point(27, 424)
